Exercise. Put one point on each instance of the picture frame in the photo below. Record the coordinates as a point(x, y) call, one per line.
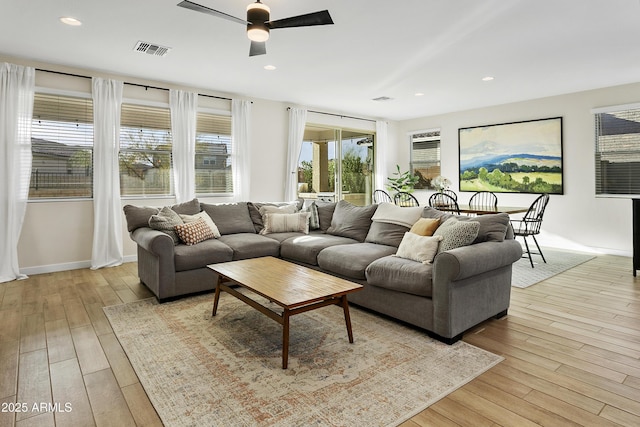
point(516, 157)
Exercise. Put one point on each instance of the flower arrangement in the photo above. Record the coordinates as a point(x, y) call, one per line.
point(441, 183)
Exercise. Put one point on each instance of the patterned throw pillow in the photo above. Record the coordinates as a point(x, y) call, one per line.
point(314, 216)
point(206, 218)
point(194, 232)
point(456, 233)
point(284, 223)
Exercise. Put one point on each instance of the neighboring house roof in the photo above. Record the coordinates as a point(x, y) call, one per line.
point(51, 148)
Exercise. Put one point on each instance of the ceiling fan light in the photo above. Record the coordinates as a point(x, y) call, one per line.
point(258, 16)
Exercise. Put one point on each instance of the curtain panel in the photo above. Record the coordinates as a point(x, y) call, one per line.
point(297, 122)
point(382, 142)
point(184, 109)
point(240, 146)
point(107, 218)
point(16, 110)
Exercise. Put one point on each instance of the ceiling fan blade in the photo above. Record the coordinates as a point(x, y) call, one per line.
point(257, 48)
point(307, 20)
point(199, 8)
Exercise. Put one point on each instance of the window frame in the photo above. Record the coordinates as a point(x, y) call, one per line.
point(216, 112)
point(412, 135)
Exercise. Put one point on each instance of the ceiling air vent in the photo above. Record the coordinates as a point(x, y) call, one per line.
point(151, 49)
point(382, 98)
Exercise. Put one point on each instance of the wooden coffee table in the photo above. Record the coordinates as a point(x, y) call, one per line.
point(295, 288)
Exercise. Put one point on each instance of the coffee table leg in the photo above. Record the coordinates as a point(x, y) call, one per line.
point(285, 339)
point(347, 318)
point(216, 298)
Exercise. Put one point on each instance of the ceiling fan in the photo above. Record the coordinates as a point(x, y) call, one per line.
point(258, 23)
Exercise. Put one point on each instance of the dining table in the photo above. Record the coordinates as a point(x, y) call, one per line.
point(484, 210)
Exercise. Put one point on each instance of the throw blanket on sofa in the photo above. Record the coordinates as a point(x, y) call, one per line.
point(392, 214)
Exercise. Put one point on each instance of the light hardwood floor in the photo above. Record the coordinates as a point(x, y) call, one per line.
point(571, 346)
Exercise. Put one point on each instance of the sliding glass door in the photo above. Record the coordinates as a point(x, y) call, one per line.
point(336, 164)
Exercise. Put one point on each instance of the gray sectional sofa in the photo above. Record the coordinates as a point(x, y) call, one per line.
point(464, 284)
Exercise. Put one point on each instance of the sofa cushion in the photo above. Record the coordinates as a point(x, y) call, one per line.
point(283, 223)
point(166, 221)
point(281, 237)
point(456, 233)
point(402, 275)
point(250, 245)
point(419, 248)
point(351, 221)
point(138, 216)
point(325, 214)
point(204, 253)
point(191, 207)
point(493, 227)
point(230, 218)
point(307, 247)
point(386, 234)
point(352, 260)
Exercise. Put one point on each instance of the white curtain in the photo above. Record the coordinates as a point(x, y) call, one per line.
point(382, 142)
point(297, 122)
point(107, 211)
point(241, 144)
point(184, 109)
point(16, 109)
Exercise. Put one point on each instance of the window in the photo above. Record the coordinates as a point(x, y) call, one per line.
point(61, 147)
point(213, 154)
point(618, 151)
point(145, 151)
point(425, 157)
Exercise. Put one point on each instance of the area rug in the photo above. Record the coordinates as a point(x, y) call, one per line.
point(227, 370)
point(557, 262)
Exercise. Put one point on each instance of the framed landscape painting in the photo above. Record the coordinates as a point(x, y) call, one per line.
point(519, 157)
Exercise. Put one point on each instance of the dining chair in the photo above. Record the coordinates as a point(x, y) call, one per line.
point(405, 199)
point(530, 224)
point(451, 193)
point(484, 199)
point(444, 202)
point(380, 196)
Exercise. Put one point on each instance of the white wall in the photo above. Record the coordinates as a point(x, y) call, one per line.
point(576, 219)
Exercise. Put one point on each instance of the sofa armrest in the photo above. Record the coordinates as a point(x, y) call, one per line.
point(467, 261)
point(154, 241)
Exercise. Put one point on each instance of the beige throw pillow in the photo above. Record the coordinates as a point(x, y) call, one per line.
point(425, 226)
point(284, 223)
point(418, 248)
point(206, 218)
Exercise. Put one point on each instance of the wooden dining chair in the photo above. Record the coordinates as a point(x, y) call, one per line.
point(530, 224)
point(380, 196)
point(405, 199)
point(484, 199)
point(451, 193)
point(444, 202)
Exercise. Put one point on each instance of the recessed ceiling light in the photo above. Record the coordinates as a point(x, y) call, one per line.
point(487, 79)
point(419, 94)
point(70, 21)
point(269, 67)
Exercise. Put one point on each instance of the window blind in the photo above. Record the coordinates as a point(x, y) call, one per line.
point(213, 154)
point(61, 147)
point(617, 152)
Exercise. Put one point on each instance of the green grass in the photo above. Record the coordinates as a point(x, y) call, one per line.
point(550, 177)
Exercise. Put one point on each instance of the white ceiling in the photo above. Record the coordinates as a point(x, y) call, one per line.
point(442, 48)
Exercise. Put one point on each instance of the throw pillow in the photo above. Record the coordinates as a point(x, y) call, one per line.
point(284, 223)
point(392, 214)
point(284, 209)
point(325, 214)
point(456, 233)
point(194, 232)
point(351, 221)
point(425, 226)
point(166, 221)
point(418, 248)
point(314, 216)
point(206, 218)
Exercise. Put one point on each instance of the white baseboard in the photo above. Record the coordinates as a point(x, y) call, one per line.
point(54, 268)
